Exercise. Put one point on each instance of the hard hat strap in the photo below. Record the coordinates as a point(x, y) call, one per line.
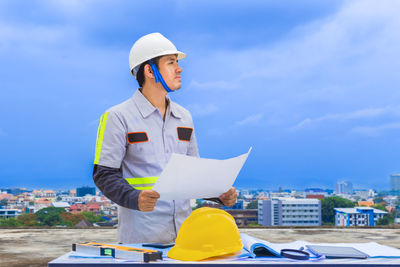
point(158, 76)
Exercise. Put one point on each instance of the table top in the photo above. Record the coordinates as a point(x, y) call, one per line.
point(68, 260)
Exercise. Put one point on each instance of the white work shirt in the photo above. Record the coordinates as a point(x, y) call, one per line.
point(147, 159)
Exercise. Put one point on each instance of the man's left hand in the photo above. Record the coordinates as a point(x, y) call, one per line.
point(229, 198)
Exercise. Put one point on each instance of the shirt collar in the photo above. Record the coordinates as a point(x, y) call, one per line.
point(146, 108)
point(174, 109)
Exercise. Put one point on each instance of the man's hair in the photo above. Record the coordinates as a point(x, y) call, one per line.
point(140, 74)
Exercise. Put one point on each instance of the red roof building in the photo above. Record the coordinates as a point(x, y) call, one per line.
point(78, 208)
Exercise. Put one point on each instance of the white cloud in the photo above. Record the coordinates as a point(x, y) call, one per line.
point(339, 70)
point(252, 119)
point(354, 115)
point(37, 32)
point(31, 38)
point(212, 85)
point(348, 56)
point(93, 122)
point(249, 120)
point(374, 131)
point(359, 32)
point(70, 6)
point(203, 110)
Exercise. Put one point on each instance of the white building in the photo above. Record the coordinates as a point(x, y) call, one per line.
point(274, 195)
point(315, 192)
point(289, 212)
point(395, 182)
point(397, 217)
point(391, 200)
point(358, 216)
point(344, 187)
point(9, 213)
point(362, 194)
point(72, 200)
point(60, 204)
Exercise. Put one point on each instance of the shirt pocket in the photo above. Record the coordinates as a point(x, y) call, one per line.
point(181, 147)
point(183, 135)
point(140, 146)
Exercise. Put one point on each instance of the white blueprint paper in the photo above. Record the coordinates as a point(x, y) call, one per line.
point(187, 177)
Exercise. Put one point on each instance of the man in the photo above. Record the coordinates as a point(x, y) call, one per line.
point(135, 140)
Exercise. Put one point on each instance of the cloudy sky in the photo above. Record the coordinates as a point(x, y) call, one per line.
point(311, 85)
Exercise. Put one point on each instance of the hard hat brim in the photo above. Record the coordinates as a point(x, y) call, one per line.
point(197, 255)
point(180, 55)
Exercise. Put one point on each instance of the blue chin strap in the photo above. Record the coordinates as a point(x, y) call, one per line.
point(158, 76)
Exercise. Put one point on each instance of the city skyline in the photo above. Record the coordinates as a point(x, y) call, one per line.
point(87, 181)
point(240, 188)
point(312, 86)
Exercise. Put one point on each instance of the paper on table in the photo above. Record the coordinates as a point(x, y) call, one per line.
point(373, 249)
point(187, 177)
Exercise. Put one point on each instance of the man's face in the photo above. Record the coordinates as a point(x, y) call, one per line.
point(170, 70)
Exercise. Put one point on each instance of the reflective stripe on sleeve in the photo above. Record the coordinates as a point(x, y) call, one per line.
point(142, 180)
point(142, 183)
point(143, 187)
point(100, 135)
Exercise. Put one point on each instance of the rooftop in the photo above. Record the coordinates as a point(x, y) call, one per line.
point(357, 210)
point(44, 247)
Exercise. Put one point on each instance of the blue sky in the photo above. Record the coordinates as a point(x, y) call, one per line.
point(311, 85)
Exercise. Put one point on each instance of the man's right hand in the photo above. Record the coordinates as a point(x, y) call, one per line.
point(147, 200)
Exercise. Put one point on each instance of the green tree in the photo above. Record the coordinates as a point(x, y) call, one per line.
point(50, 216)
point(252, 205)
point(28, 219)
point(91, 217)
point(379, 207)
point(9, 222)
point(386, 219)
point(379, 200)
point(253, 224)
point(327, 208)
point(70, 219)
point(198, 204)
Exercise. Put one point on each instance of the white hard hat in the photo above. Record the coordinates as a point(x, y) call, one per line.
point(150, 46)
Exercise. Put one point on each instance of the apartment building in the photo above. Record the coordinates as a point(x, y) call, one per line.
point(289, 212)
point(9, 213)
point(358, 216)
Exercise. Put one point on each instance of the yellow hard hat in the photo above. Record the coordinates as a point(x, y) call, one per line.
point(206, 233)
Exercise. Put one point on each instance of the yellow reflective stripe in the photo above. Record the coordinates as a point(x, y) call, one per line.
point(100, 135)
point(141, 180)
point(143, 187)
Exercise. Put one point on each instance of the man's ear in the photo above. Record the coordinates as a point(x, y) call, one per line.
point(148, 72)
